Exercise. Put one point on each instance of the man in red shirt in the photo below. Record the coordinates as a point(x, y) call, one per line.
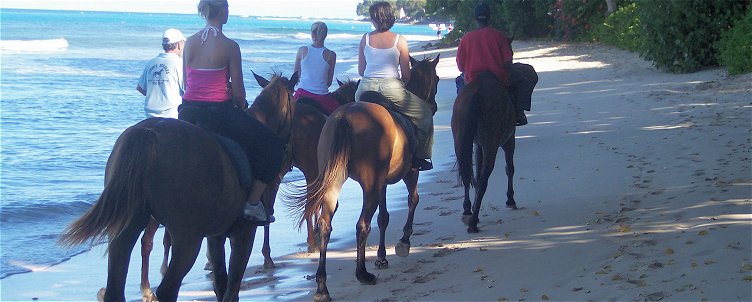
point(486, 49)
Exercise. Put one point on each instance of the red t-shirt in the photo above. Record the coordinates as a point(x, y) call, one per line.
point(485, 49)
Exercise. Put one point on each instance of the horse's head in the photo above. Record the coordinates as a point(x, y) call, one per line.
point(274, 105)
point(423, 80)
point(346, 91)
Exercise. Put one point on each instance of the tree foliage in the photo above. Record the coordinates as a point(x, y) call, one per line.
point(414, 9)
point(678, 35)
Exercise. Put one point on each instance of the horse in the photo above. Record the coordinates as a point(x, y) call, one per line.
point(307, 122)
point(483, 115)
point(306, 127)
point(363, 141)
point(199, 196)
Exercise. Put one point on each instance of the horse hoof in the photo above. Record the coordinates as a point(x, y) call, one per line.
point(366, 278)
point(100, 294)
point(149, 298)
point(208, 266)
point(473, 229)
point(382, 263)
point(269, 264)
point(512, 205)
point(313, 249)
point(402, 249)
point(466, 218)
point(321, 297)
point(147, 295)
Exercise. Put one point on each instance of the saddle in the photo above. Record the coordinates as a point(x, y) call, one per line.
point(401, 119)
point(204, 119)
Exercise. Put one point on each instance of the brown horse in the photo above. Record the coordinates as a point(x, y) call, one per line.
point(199, 195)
point(363, 141)
point(306, 129)
point(484, 116)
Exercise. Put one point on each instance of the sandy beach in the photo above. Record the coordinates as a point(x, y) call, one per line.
point(633, 184)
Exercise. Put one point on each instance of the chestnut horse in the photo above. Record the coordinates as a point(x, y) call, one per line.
point(306, 129)
point(199, 195)
point(484, 116)
point(363, 141)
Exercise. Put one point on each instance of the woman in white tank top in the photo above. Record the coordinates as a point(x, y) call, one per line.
point(315, 65)
point(384, 64)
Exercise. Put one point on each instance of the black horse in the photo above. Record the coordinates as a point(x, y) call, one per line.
point(484, 116)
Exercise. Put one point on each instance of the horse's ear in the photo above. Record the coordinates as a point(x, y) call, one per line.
point(293, 81)
point(340, 82)
point(260, 80)
point(436, 61)
point(413, 61)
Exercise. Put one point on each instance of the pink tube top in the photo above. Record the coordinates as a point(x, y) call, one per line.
point(207, 85)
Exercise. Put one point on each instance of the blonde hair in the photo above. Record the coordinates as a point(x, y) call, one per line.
point(320, 30)
point(209, 9)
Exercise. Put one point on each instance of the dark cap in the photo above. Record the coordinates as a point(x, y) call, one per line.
point(482, 11)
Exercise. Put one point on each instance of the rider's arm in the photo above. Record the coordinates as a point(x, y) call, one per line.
point(331, 60)
point(361, 56)
point(236, 75)
point(404, 59)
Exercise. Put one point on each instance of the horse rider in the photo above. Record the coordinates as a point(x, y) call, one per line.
point(487, 49)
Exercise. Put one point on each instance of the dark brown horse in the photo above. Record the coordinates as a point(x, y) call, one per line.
point(363, 141)
point(198, 195)
point(306, 129)
point(483, 116)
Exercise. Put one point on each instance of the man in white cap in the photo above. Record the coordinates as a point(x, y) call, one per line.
point(162, 79)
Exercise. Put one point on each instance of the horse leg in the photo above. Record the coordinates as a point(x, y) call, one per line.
point(241, 244)
point(402, 248)
point(314, 233)
point(325, 226)
point(383, 221)
point(485, 166)
point(371, 198)
point(147, 245)
point(119, 256)
point(266, 249)
point(166, 243)
point(216, 253)
point(184, 252)
point(467, 215)
point(508, 148)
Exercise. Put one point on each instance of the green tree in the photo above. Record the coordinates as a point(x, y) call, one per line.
point(414, 9)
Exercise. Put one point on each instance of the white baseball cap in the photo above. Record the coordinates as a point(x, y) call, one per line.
point(172, 36)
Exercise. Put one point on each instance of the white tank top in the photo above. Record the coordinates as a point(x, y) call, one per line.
point(314, 71)
point(381, 63)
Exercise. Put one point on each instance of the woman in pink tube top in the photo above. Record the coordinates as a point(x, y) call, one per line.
point(211, 61)
point(315, 64)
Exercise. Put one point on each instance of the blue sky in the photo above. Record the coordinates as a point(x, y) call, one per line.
point(281, 8)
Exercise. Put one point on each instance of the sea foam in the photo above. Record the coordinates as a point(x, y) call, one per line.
point(34, 45)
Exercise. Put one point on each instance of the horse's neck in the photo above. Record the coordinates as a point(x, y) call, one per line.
point(342, 97)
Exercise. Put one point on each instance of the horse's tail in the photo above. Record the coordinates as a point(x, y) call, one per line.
point(465, 136)
point(333, 170)
point(123, 194)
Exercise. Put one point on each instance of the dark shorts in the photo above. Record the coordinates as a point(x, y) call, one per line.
point(265, 150)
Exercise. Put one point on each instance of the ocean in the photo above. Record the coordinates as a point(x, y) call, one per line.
point(68, 89)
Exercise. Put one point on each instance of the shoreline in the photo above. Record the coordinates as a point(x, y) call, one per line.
point(633, 185)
